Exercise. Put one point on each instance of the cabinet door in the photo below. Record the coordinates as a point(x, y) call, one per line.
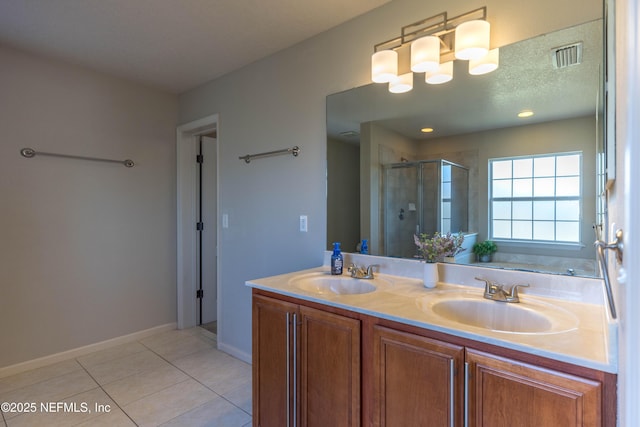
point(508, 393)
point(273, 352)
point(418, 381)
point(329, 369)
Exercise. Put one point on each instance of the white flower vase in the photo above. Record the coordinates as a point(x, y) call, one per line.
point(430, 274)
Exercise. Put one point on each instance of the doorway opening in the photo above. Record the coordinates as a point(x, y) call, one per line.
point(198, 299)
point(206, 232)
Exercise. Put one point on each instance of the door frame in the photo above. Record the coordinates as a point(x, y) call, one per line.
point(186, 218)
point(627, 13)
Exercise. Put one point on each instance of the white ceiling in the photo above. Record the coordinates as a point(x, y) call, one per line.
point(175, 45)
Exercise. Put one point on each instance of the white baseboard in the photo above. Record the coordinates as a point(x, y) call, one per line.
point(235, 352)
point(81, 351)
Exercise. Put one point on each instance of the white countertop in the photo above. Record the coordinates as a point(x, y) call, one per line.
point(591, 343)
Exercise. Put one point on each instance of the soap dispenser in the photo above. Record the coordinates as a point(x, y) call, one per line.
point(336, 260)
point(364, 247)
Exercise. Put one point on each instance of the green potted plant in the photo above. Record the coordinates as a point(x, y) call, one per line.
point(484, 250)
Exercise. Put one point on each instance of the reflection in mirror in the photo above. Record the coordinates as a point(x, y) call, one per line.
point(422, 197)
point(527, 183)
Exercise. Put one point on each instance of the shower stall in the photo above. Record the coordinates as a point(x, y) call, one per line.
point(422, 197)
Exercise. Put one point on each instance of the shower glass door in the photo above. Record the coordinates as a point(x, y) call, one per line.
point(401, 207)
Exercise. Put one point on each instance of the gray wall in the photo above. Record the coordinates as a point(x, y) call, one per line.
point(87, 249)
point(279, 102)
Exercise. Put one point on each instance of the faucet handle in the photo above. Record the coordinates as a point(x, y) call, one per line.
point(370, 269)
point(489, 286)
point(486, 281)
point(513, 293)
point(353, 269)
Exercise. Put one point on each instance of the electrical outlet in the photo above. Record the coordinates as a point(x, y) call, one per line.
point(225, 220)
point(303, 223)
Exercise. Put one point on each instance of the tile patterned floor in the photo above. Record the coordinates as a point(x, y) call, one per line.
point(175, 378)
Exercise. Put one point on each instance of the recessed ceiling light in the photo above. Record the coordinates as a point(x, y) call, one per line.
point(525, 113)
point(426, 130)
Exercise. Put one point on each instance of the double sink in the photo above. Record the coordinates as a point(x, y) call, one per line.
point(462, 307)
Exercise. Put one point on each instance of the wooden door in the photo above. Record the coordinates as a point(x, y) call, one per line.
point(418, 381)
point(508, 393)
point(329, 391)
point(273, 353)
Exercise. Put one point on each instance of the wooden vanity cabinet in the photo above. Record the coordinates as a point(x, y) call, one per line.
point(508, 393)
point(308, 359)
point(417, 380)
point(306, 366)
point(421, 381)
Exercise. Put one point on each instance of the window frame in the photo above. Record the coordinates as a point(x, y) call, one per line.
point(532, 198)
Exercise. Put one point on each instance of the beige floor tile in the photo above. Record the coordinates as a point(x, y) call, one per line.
point(198, 363)
point(208, 334)
point(241, 396)
point(184, 346)
point(165, 337)
point(40, 419)
point(169, 403)
point(137, 386)
point(112, 353)
point(51, 390)
point(113, 370)
point(33, 376)
point(176, 377)
point(226, 376)
point(216, 413)
point(115, 418)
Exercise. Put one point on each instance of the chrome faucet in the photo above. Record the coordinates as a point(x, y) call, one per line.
point(361, 272)
point(496, 292)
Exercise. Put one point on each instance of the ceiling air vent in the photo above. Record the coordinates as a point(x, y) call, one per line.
point(349, 134)
point(566, 56)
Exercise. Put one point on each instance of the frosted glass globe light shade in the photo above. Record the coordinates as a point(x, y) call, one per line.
point(486, 64)
point(472, 39)
point(442, 75)
point(425, 54)
point(401, 84)
point(384, 66)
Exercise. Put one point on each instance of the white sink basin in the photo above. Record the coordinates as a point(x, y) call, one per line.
point(525, 317)
point(322, 283)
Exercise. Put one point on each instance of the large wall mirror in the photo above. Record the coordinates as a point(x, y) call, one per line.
point(480, 171)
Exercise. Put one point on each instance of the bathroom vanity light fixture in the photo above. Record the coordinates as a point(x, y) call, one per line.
point(486, 64)
point(431, 45)
point(401, 84)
